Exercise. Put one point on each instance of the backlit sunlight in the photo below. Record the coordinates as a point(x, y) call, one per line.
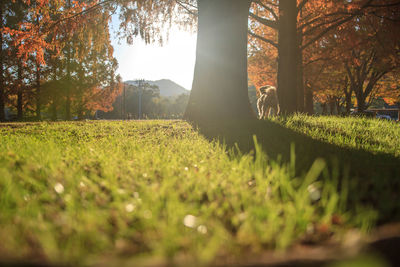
point(175, 60)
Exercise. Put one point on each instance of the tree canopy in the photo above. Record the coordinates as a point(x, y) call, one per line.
point(294, 45)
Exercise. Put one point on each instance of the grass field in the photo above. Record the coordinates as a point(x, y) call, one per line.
point(151, 192)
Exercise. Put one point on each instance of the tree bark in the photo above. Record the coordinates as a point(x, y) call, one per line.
point(332, 106)
point(38, 94)
point(300, 71)
point(68, 89)
point(324, 109)
point(348, 93)
point(309, 101)
point(338, 106)
point(361, 105)
point(220, 85)
point(348, 104)
point(300, 83)
point(19, 92)
point(54, 95)
point(287, 61)
point(54, 111)
point(2, 85)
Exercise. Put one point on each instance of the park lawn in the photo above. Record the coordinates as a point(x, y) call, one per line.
point(83, 193)
point(376, 136)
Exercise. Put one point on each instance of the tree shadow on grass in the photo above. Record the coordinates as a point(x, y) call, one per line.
point(374, 177)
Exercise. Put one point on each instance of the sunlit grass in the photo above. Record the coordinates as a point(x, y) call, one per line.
point(87, 192)
point(372, 135)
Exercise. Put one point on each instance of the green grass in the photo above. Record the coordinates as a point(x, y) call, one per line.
point(89, 192)
point(377, 136)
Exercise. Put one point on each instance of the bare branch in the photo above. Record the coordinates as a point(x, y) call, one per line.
point(328, 29)
point(384, 5)
point(266, 22)
point(301, 5)
point(83, 12)
point(258, 2)
point(263, 39)
point(185, 5)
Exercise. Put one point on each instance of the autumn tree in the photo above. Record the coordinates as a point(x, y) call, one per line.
point(219, 89)
point(221, 69)
point(363, 52)
point(66, 55)
point(220, 81)
point(389, 88)
point(376, 56)
point(313, 20)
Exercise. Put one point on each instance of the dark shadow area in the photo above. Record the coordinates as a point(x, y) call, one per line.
point(27, 264)
point(374, 178)
point(388, 249)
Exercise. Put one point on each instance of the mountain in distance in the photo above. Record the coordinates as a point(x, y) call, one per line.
point(167, 87)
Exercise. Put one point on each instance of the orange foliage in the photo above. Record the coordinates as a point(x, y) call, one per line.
point(102, 98)
point(52, 18)
point(329, 32)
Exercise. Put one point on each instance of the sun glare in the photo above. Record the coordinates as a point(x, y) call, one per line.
point(175, 60)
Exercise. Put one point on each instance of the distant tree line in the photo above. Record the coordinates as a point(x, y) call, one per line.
point(153, 106)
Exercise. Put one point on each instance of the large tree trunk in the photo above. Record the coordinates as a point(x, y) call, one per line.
point(54, 111)
point(68, 91)
point(19, 92)
point(309, 101)
point(2, 86)
point(332, 106)
point(38, 94)
point(301, 90)
point(288, 57)
point(300, 83)
point(348, 104)
point(361, 105)
point(220, 86)
point(348, 93)
point(54, 95)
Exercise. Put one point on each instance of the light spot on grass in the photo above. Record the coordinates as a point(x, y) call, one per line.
point(147, 214)
point(186, 168)
point(145, 175)
point(352, 239)
point(252, 183)
point(242, 216)
point(314, 192)
point(190, 221)
point(268, 192)
point(121, 191)
point(121, 244)
point(68, 198)
point(59, 188)
point(202, 229)
point(82, 185)
point(130, 207)
point(310, 229)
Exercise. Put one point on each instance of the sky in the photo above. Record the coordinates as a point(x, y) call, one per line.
point(175, 60)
